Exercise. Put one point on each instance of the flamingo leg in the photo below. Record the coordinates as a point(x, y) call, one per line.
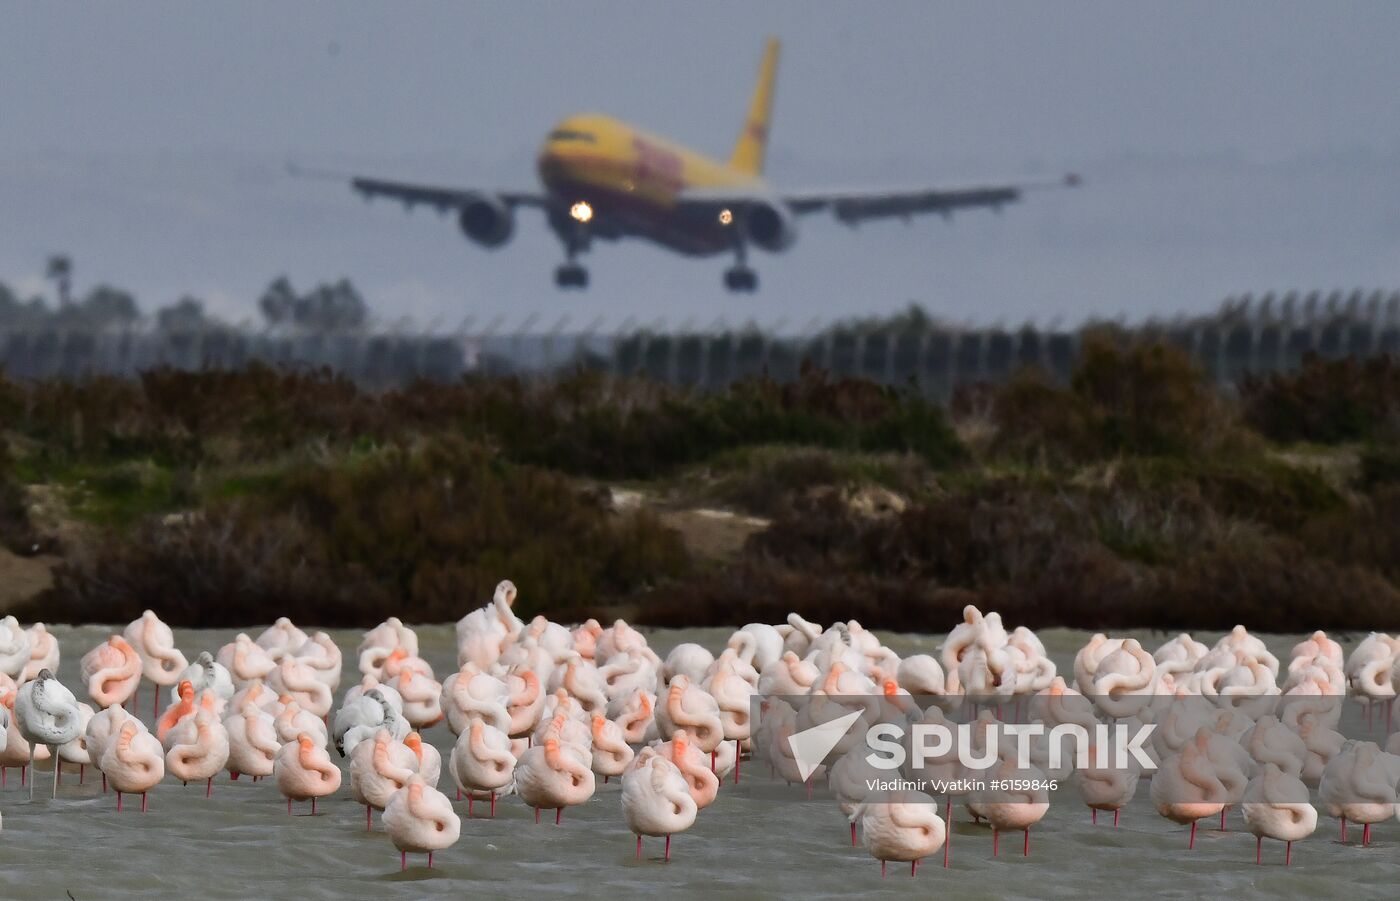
point(1192, 844)
point(853, 833)
point(209, 787)
point(1093, 816)
point(537, 816)
point(143, 802)
point(639, 846)
point(369, 818)
point(882, 869)
point(1366, 836)
point(1026, 848)
point(668, 847)
point(1344, 829)
point(313, 807)
point(469, 804)
point(1258, 849)
point(948, 836)
point(57, 768)
point(119, 801)
point(913, 868)
point(493, 804)
point(289, 807)
point(403, 861)
point(1288, 854)
point(996, 841)
point(738, 755)
point(430, 860)
point(558, 815)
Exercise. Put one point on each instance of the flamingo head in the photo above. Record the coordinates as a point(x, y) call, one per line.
point(186, 689)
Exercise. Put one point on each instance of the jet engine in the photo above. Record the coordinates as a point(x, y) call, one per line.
point(770, 226)
point(487, 221)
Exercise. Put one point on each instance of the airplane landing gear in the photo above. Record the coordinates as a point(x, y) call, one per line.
point(571, 275)
point(741, 278)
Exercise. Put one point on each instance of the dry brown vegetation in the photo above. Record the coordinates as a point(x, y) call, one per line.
point(1134, 495)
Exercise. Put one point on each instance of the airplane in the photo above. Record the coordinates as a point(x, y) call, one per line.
point(603, 179)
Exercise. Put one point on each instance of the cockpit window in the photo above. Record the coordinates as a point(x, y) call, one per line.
point(568, 134)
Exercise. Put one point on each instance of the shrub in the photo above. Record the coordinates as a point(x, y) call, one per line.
point(1327, 401)
point(15, 531)
point(424, 531)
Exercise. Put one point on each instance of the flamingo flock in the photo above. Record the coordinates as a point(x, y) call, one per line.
point(546, 713)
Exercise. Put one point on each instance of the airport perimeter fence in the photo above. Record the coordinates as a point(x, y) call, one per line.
point(1247, 336)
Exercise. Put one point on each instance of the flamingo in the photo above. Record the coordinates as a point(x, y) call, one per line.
point(1359, 785)
point(656, 800)
point(470, 694)
point(205, 674)
point(77, 750)
point(281, 638)
point(635, 715)
point(296, 678)
point(429, 764)
point(383, 640)
point(101, 729)
point(161, 661)
point(611, 753)
point(554, 774)
point(245, 660)
point(906, 827)
point(482, 762)
point(291, 721)
point(111, 671)
point(379, 766)
point(204, 755)
point(360, 718)
point(252, 740)
point(687, 659)
point(47, 714)
point(1276, 806)
point(304, 771)
point(16, 646)
point(43, 653)
point(420, 819)
point(133, 763)
point(689, 707)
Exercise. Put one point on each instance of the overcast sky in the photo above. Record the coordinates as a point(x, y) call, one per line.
point(1225, 147)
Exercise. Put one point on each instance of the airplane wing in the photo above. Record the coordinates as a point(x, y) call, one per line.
point(852, 207)
point(410, 194)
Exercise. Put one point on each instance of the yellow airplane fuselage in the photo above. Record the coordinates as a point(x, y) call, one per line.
point(631, 181)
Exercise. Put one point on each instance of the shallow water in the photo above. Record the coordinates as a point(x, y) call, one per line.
point(241, 843)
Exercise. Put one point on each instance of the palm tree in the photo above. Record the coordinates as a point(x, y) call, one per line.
point(61, 271)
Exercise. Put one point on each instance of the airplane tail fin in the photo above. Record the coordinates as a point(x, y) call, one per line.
point(753, 140)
